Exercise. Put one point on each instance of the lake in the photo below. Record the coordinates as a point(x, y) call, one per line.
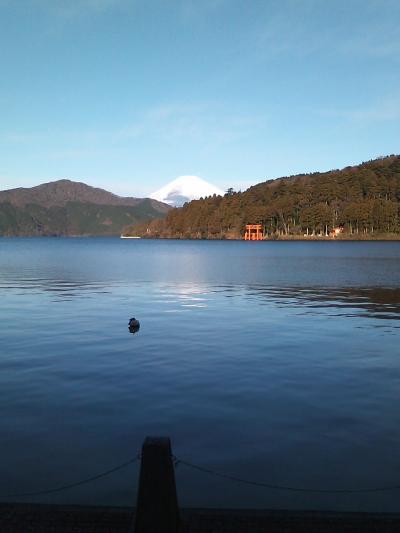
point(278, 362)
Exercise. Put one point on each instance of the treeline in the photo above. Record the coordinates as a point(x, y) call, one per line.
point(73, 218)
point(361, 200)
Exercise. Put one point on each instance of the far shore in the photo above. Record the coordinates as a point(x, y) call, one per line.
point(313, 238)
point(343, 237)
point(287, 238)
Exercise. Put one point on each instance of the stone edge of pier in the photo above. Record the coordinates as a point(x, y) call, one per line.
point(44, 518)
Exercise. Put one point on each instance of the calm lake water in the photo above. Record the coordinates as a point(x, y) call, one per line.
point(277, 362)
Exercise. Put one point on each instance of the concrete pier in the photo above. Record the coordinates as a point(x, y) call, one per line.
point(157, 511)
point(32, 518)
point(157, 503)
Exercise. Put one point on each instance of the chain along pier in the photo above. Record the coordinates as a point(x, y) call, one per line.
point(157, 509)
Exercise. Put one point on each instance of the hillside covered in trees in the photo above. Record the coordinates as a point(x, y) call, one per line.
point(67, 207)
point(363, 201)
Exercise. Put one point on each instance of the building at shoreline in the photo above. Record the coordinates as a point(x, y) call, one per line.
point(254, 232)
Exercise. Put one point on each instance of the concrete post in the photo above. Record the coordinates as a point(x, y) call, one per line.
point(157, 503)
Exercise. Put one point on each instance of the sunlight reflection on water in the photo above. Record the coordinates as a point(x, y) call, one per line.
point(281, 366)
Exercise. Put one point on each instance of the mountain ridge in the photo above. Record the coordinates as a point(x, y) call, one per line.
point(59, 192)
point(65, 207)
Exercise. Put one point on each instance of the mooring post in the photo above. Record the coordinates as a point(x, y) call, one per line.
point(157, 503)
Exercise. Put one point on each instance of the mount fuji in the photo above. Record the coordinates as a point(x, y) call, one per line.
point(184, 189)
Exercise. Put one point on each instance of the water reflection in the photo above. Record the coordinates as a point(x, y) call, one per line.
point(380, 303)
point(59, 288)
point(377, 302)
point(254, 365)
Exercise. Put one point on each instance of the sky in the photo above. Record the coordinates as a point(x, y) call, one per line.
point(127, 95)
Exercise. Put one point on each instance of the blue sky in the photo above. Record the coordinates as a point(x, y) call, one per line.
point(129, 94)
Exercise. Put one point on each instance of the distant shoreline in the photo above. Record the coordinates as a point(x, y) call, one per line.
point(388, 237)
point(288, 238)
point(283, 238)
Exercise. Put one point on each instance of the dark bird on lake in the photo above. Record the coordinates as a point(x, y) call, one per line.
point(134, 325)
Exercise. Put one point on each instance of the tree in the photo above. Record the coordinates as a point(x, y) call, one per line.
point(362, 199)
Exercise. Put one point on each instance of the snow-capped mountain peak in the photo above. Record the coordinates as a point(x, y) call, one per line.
point(184, 189)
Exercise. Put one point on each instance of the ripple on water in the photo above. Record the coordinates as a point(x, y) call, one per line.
point(274, 367)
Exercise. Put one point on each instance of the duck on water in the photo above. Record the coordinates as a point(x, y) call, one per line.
point(133, 325)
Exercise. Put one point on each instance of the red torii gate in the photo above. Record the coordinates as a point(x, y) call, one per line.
point(254, 232)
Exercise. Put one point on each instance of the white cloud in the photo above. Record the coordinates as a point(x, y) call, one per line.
point(74, 8)
point(308, 27)
point(75, 153)
point(19, 137)
point(195, 9)
point(387, 110)
point(206, 126)
point(202, 123)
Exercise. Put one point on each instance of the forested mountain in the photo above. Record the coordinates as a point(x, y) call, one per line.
point(70, 208)
point(362, 201)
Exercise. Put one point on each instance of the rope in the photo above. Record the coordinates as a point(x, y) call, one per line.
point(280, 487)
point(76, 484)
point(205, 470)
